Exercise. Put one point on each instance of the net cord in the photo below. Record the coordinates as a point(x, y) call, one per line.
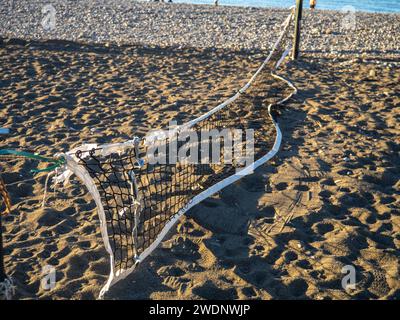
point(149, 140)
point(222, 184)
point(206, 194)
point(72, 166)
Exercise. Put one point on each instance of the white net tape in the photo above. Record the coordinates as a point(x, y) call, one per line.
point(142, 231)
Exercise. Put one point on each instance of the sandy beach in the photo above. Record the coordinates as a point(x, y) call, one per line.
point(329, 199)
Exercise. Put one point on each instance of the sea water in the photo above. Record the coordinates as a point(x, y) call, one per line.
point(390, 6)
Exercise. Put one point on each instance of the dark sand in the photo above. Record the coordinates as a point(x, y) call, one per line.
point(329, 199)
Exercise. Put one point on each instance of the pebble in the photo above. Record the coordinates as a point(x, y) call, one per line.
point(201, 26)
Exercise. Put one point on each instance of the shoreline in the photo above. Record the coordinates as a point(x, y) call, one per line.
point(305, 8)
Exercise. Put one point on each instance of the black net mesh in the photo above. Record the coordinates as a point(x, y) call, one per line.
point(139, 200)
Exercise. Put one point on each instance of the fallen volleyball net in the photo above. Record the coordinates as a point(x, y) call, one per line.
point(139, 198)
point(141, 187)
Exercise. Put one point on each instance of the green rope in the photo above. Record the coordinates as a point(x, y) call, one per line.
point(55, 162)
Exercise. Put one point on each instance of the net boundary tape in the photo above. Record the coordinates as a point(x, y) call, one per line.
point(72, 166)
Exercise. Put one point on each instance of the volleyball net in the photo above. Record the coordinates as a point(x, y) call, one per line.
point(141, 187)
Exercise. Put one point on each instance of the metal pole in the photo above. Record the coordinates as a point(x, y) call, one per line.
point(297, 29)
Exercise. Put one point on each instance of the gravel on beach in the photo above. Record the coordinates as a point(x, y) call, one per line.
point(201, 26)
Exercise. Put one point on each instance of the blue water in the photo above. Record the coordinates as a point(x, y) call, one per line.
point(391, 6)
